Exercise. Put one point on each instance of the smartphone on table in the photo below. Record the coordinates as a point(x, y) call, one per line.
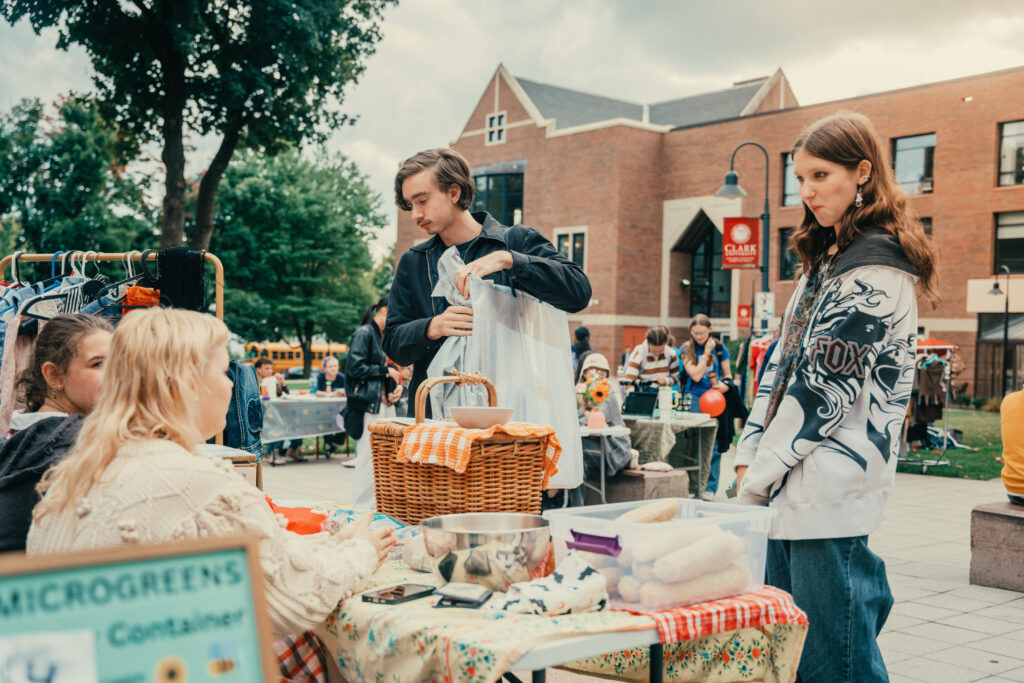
point(398, 594)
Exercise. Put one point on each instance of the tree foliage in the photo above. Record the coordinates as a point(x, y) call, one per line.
point(260, 74)
point(62, 181)
point(292, 234)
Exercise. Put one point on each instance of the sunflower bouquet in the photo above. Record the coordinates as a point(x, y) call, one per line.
point(595, 392)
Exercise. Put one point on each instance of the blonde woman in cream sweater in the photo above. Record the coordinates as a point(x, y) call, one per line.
point(133, 475)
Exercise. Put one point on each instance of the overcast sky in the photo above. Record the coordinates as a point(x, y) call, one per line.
point(437, 56)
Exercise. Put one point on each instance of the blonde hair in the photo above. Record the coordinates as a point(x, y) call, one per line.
point(156, 362)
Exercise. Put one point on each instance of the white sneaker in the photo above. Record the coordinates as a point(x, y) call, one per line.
point(707, 495)
point(349, 463)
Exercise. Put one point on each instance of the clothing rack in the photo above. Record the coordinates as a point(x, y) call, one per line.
point(118, 257)
point(924, 353)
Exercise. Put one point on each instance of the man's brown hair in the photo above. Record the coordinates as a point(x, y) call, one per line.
point(449, 167)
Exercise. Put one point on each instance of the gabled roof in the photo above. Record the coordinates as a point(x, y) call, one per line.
point(571, 108)
point(705, 108)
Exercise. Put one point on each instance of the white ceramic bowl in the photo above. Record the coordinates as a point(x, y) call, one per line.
point(480, 417)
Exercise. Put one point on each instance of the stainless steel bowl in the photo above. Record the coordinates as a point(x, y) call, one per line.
point(493, 549)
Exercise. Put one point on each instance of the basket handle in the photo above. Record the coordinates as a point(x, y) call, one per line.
point(460, 378)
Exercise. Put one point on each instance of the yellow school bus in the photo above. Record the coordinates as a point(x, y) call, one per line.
point(287, 355)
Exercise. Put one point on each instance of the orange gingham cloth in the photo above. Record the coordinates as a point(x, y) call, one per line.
point(767, 605)
point(448, 444)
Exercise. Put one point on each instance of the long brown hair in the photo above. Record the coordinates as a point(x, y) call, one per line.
point(847, 138)
point(691, 345)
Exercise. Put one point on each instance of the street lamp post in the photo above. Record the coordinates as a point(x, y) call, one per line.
point(732, 189)
point(1006, 325)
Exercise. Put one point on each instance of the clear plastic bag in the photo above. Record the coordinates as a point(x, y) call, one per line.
point(521, 344)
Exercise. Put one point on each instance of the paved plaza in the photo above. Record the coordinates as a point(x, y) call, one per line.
point(942, 629)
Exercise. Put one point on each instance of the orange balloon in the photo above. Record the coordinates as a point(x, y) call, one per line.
point(712, 402)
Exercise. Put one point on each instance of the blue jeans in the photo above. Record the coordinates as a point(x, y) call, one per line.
point(842, 587)
point(716, 465)
point(279, 445)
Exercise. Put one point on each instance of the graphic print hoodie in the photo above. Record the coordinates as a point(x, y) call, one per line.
point(827, 461)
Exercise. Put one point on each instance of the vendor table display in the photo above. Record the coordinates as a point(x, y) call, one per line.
point(297, 418)
point(685, 441)
point(752, 637)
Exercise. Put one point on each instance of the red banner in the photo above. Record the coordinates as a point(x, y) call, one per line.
point(740, 243)
point(743, 315)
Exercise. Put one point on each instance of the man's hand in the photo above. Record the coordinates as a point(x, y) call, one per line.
point(393, 374)
point(485, 265)
point(456, 321)
point(393, 397)
point(662, 379)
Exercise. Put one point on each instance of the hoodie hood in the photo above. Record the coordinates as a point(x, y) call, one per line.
point(875, 247)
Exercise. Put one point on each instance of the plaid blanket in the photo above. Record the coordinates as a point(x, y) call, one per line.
point(301, 658)
point(767, 605)
point(446, 443)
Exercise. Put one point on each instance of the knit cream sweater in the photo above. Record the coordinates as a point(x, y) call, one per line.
point(155, 491)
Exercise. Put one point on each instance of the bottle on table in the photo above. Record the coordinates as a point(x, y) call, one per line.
point(312, 384)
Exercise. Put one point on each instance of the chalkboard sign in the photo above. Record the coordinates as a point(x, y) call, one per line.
point(192, 611)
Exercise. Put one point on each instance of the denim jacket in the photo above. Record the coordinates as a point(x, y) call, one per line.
point(245, 413)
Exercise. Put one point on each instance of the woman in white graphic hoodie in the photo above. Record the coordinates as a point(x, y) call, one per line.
point(821, 443)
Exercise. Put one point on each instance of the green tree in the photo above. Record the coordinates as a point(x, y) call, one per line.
point(259, 74)
point(383, 272)
point(62, 178)
point(292, 234)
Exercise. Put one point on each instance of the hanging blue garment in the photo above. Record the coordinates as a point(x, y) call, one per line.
point(245, 413)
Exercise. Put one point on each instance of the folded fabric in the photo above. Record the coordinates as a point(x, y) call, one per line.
point(136, 296)
point(446, 443)
point(767, 605)
point(572, 588)
point(300, 520)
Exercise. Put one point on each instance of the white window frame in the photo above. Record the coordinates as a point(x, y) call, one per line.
point(496, 129)
point(570, 231)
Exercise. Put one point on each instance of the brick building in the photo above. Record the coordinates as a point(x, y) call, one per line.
point(628, 191)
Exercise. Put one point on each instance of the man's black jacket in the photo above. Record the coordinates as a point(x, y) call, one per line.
point(538, 268)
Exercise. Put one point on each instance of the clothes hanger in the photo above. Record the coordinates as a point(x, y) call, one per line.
point(54, 280)
point(122, 285)
point(73, 296)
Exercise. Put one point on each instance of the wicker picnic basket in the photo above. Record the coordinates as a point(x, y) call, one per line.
point(504, 473)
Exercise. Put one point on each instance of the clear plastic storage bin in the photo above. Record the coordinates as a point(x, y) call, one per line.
point(706, 551)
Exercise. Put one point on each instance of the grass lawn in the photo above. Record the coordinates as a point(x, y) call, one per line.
point(979, 461)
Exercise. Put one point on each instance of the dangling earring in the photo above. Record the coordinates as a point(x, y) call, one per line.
point(858, 201)
point(51, 392)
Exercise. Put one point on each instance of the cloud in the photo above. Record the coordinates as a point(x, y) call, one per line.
point(436, 57)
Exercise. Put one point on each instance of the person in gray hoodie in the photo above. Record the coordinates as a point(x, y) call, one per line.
point(58, 389)
point(821, 444)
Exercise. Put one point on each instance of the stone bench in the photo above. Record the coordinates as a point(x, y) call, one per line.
point(997, 546)
point(630, 485)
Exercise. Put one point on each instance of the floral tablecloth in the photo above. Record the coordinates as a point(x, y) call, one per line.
point(417, 642)
point(298, 418)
